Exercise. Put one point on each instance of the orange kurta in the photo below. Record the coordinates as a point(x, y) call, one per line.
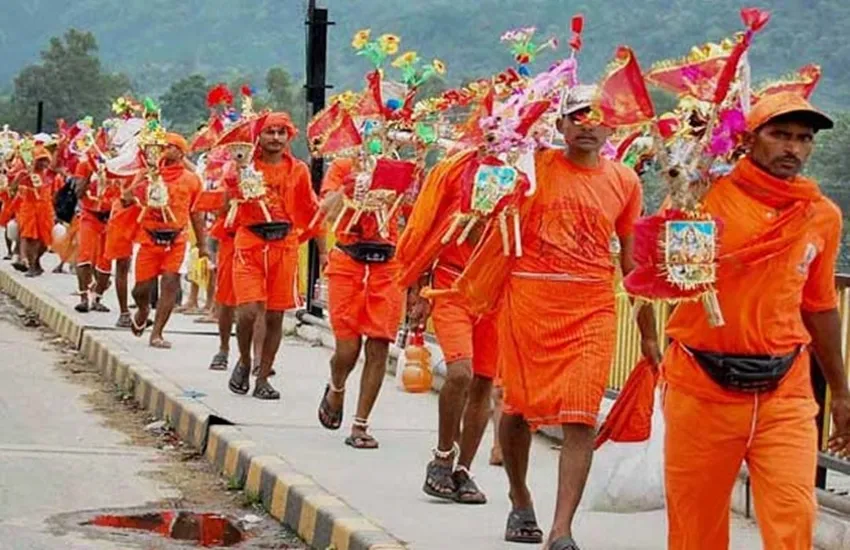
point(266, 271)
point(778, 257)
point(35, 212)
point(461, 334)
point(153, 259)
point(557, 323)
point(364, 299)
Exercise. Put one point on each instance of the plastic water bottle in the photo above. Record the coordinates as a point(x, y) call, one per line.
point(416, 376)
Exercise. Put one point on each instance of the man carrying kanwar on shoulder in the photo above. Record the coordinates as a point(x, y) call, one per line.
point(746, 384)
point(275, 204)
point(35, 211)
point(167, 210)
point(556, 314)
point(468, 341)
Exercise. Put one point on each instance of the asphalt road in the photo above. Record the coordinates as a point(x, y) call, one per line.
point(55, 456)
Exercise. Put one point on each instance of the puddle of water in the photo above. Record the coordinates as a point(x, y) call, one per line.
point(207, 530)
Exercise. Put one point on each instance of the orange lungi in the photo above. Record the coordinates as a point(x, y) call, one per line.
point(153, 260)
point(573, 328)
point(267, 273)
point(36, 221)
point(225, 293)
point(121, 232)
point(363, 299)
point(66, 247)
point(92, 242)
point(460, 333)
point(705, 443)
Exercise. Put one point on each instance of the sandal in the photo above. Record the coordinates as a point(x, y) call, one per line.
point(160, 343)
point(125, 320)
point(82, 307)
point(263, 390)
point(219, 361)
point(19, 266)
point(363, 440)
point(564, 543)
point(439, 479)
point(137, 328)
point(522, 527)
point(330, 420)
point(240, 380)
point(467, 490)
point(99, 307)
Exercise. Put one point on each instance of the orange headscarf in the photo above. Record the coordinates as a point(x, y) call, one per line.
point(280, 120)
point(40, 152)
point(178, 141)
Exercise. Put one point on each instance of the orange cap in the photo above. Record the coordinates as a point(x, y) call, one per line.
point(40, 152)
point(785, 103)
point(178, 141)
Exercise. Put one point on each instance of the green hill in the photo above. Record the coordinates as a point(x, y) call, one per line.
point(158, 41)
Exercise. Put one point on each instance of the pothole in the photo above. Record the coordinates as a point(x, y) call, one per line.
point(207, 530)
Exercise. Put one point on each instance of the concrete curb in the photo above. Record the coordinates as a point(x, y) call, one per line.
point(324, 520)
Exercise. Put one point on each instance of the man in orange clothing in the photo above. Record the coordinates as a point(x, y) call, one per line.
point(162, 237)
point(96, 195)
point(776, 285)
point(118, 247)
point(557, 322)
point(468, 341)
point(35, 212)
point(365, 302)
point(266, 250)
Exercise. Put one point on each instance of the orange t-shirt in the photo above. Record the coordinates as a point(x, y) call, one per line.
point(183, 190)
point(43, 193)
point(366, 229)
point(95, 199)
point(289, 198)
point(761, 301)
point(574, 214)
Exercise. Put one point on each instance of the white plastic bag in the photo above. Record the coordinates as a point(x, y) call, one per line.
point(628, 477)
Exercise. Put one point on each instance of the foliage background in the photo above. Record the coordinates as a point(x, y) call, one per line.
point(174, 51)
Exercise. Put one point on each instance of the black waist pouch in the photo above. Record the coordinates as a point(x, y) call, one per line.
point(164, 237)
point(745, 373)
point(272, 231)
point(369, 253)
point(103, 217)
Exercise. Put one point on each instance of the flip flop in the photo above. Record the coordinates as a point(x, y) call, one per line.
point(240, 380)
point(330, 420)
point(219, 361)
point(160, 343)
point(138, 329)
point(564, 543)
point(522, 527)
point(263, 390)
point(468, 491)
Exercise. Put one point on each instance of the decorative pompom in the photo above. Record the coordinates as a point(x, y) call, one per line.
point(577, 24)
point(247, 91)
point(219, 95)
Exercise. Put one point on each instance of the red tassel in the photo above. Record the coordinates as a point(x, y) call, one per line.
point(754, 18)
point(246, 90)
point(577, 24)
point(218, 95)
point(576, 42)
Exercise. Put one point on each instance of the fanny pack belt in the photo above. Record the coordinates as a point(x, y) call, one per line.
point(272, 231)
point(369, 253)
point(745, 373)
point(164, 237)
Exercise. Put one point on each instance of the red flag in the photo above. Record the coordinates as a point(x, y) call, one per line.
point(630, 419)
point(802, 84)
point(622, 98)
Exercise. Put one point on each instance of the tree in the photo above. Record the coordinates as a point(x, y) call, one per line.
point(830, 163)
point(184, 105)
point(281, 91)
point(70, 82)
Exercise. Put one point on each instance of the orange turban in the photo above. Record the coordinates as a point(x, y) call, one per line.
point(178, 141)
point(280, 120)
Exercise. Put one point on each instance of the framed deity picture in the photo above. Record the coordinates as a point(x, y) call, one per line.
point(491, 184)
point(690, 252)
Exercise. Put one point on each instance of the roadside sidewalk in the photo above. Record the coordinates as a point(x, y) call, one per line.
point(332, 495)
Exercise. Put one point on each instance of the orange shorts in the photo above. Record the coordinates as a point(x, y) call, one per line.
point(225, 294)
point(153, 260)
point(92, 243)
point(35, 221)
point(121, 233)
point(461, 334)
point(266, 274)
point(363, 299)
